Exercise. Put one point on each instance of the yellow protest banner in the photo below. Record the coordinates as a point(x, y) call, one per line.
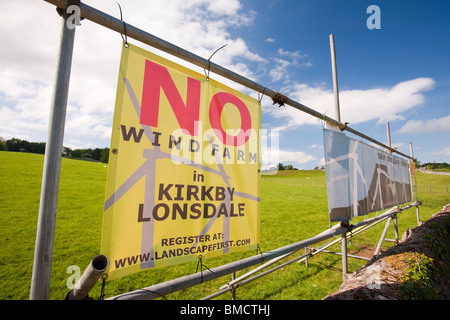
point(183, 177)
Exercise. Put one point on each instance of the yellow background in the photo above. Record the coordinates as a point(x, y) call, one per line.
point(122, 233)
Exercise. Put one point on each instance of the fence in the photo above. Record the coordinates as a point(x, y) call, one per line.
point(161, 289)
point(306, 182)
point(430, 188)
point(50, 181)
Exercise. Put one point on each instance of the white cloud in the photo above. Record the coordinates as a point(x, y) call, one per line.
point(432, 125)
point(285, 62)
point(356, 106)
point(280, 71)
point(445, 151)
point(295, 156)
point(224, 7)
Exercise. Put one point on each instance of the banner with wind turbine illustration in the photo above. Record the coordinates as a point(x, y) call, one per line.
point(183, 178)
point(361, 178)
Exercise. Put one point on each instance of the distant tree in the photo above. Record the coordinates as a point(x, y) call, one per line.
point(77, 153)
point(18, 145)
point(96, 153)
point(281, 167)
point(3, 146)
point(37, 147)
point(86, 155)
point(67, 152)
point(14, 144)
point(104, 158)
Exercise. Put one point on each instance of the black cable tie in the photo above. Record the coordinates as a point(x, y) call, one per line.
point(262, 95)
point(259, 249)
point(124, 34)
point(200, 262)
point(102, 292)
point(209, 61)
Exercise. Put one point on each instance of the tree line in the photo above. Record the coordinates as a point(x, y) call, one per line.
point(435, 165)
point(18, 145)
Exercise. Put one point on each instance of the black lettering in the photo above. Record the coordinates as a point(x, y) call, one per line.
point(191, 148)
point(191, 192)
point(222, 210)
point(182, 212)
point(231, 191)
point(156, 140)
point(206, 193)
point(179, 190)
point(166, 211)
point(132, 260)
point(195, 208)
point(240, 155)
point(120, 263)
point(226, 153)
point(164, 191)
point(205, 210)
point(241, 209)
point(141, 214)
point(251, 157)
point(232, 214)
point(220, 193)
point(214, 149)
point(173, 141)
point(132, 132)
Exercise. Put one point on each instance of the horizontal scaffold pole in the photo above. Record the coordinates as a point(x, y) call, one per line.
point(164, 288)
point(117, 25)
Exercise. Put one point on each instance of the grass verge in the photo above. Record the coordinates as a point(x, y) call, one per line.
point(293, 207)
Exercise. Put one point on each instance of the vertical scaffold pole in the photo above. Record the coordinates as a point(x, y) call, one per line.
point(344, 256)
point(335, 80)
point(40, 281)
point(417, 200)
point(388, 133)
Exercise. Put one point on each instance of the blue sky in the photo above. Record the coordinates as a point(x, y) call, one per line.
point(399, 73)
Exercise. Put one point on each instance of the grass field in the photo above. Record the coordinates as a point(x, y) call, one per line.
point(293, 207)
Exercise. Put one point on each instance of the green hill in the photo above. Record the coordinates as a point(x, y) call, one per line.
point(294, 207)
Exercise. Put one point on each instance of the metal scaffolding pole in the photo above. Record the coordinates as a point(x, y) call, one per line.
point(344, 256)
point(161, 289)
point(117, 25)
point(337, 110)
point(40, 282)
point(417, 207)
point(309, 252)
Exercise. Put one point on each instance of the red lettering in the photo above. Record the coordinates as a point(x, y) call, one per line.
point(218, 102)
point(157, 77)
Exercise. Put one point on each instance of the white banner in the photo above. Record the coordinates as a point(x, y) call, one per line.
point(361, 178)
